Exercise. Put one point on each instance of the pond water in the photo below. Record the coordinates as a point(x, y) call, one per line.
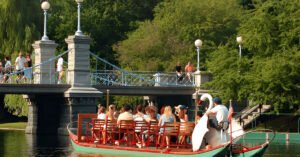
point(19, 144)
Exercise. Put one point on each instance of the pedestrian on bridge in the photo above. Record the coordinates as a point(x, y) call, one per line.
point(28, 68)
point(189, 70)
point(19, 63)
point(60, 69)
point(7, 69)
point(179, 72)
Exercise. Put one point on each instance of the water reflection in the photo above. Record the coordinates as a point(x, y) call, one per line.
point(19, 144)
point(12, 143)
point(41, 145)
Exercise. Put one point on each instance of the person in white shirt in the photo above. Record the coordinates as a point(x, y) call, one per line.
point(60, 69)
point(19, 64)
point(101, 112)
point(221, 113)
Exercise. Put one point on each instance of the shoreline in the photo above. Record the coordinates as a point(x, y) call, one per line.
point(13, 126)
point(11, 129)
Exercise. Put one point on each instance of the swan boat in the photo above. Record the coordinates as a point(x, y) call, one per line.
point(83, 141)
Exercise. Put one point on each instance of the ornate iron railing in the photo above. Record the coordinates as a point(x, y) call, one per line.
point(124, 78)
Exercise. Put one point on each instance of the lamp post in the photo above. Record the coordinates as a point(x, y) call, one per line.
point(45, 6)
point(78, 32)
point(198, 44)
point(239, 40)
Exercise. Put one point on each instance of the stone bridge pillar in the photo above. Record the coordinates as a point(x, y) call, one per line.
point(81, 97)
point(44, 113)
point(202, 77)
point(45, 73)
point(31, 127)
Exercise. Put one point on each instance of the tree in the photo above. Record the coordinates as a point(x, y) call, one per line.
point(20, 23)
point(269, 68)
point(105, 21)
point(159, 44)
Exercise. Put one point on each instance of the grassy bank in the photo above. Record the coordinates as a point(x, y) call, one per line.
point(13, 125)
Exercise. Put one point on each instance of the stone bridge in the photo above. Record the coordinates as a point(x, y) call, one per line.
point(52, 106)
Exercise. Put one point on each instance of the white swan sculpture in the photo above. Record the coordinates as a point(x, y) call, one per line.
point(210, 99)
point(201, 128)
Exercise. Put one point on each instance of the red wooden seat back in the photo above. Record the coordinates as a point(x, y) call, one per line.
point(126, 128)
point(97, 128)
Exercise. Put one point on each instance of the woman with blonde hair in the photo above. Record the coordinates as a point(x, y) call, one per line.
point(167, 117)
point(110, 112)
point(109, 117)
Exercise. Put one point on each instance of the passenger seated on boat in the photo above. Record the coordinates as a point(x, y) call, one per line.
point(126, 115)
point(110, 131)
point(151, 114)
point(171, 134)
point(185, 133)
point(126, 131)
point(139, 113)
point(183, 117)
point(167, 117)
point(116, 114)
point(110, 113)
point(143, 127)
point(139, 124)
point(97, 130)
point(109, 117)
point(98, 126)
point(101, 112)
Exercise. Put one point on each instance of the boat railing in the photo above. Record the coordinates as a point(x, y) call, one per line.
point(72, 127)
point(84, 132)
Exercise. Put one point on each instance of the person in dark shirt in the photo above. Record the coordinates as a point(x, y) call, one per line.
point(179, 72)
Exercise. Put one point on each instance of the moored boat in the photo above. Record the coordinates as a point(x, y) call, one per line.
point(83, 142)
point(244, 146)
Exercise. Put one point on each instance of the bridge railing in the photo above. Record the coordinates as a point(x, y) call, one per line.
point(109, 75)
point(112, 75)
point(120, 78)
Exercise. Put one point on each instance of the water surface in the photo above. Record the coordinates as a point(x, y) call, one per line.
point(19, 144)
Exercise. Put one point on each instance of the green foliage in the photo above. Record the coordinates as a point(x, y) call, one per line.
point(105, 21)
point(267, 73)
point(19, 25)
point(131, 100)
point(119, 101)
point(16, 104)
point(159, 44)
point(269, 69)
